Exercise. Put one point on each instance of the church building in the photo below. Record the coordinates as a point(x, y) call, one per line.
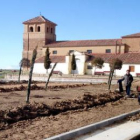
point(40, 32)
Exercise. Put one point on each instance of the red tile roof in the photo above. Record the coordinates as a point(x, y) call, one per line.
point(54, 59)
point(80, 43)
point(132, 35)
point(39, 19)
point(127, 58)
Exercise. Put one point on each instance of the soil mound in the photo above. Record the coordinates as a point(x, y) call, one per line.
point(33, 110)
point(36, 87)
point(16, 82)
point(21, 88)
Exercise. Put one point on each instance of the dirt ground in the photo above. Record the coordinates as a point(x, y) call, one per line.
point(39, 84)
point(44, 127)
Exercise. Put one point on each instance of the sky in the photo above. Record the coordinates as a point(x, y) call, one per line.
point(75, 19)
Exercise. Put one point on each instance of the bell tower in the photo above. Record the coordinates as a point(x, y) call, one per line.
point(38, 31)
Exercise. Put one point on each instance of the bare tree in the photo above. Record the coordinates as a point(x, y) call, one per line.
point(47, 82)
point(97, 63)
point(23, 63)
point(114, 64)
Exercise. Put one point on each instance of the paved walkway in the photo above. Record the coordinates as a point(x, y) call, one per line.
point(123, 131)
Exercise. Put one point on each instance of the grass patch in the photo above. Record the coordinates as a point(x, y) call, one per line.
point(1, 76)
point(3, 72)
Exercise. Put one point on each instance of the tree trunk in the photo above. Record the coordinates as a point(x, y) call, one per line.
point(47, 82)
point(19, 74)
point(112, 72)
point(109, 76)
point(109, 84)
point(29, 84)
point(47, 72)
point(94, 70)
point(30, 74)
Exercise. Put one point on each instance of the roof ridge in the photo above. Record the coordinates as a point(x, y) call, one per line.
point(132, 35)
point(38, 19)
point(92, 40)
point(54, 58)
point(43, 18)
point(71, 43)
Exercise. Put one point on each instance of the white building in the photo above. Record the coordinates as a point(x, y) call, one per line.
point(131, 61)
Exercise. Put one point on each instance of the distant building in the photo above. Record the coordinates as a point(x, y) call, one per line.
point(40, 32)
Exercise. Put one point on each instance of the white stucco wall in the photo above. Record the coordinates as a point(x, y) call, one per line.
point(39, 68)
point(65, 68)
point(80, 64)
point(91, 71)
point(121, 72)
point(126, 67)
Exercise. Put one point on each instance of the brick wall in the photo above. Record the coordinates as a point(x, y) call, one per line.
point(32, 43)
point(132, 44)
point(95, 49)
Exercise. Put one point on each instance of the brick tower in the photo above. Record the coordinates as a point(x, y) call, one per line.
point(38, 31)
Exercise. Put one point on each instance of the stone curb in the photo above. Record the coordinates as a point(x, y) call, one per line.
point(90, 128)
point(133, 136)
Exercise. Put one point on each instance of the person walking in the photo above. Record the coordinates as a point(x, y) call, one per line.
point(128, 79)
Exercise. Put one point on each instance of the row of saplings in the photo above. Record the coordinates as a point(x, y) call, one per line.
point(97, 63)
point(26, 62)
point(31, 111)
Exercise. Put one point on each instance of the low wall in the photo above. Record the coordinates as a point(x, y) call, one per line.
point(59, 79)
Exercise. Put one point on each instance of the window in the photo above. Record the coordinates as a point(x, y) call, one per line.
point(38, 28)
point(108, 50)
point(70, 51)
point(89, 67)
point(89, 51)
point(132, 68)
point(51, 30)
point(55, 52)
point(31, 29)
point(47, 29)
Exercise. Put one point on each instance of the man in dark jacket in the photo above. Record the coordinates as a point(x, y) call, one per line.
point(128, 79)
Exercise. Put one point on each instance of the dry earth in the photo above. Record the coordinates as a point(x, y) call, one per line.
point(43, 127)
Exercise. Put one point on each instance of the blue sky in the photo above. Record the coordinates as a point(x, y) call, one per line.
point(76, 20)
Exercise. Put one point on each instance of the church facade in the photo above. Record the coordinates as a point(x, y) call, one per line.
point(40, 32)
